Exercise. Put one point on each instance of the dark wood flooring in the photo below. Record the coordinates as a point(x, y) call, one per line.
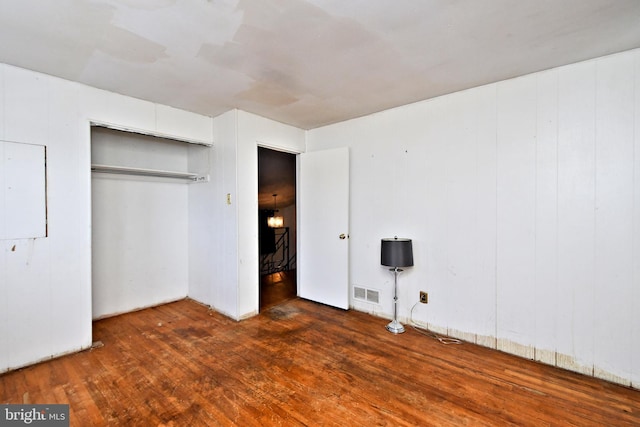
point(276, 288)
point(300, 363)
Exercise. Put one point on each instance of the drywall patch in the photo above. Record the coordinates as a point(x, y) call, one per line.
point(147, 6)
point(23, 212)
point(267, 93)
point(129, 47)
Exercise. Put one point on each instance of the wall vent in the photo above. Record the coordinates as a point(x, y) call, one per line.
point(364, 294)
point(373, 296)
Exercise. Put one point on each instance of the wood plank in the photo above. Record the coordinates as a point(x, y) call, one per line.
point(576, 217)
point(635, 296)
point(516, 208)
point(484, 292)
point(614, 219)
point(302, 363)
point(461, 213)
point(546, 214)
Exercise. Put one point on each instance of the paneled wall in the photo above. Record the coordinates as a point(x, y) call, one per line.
point(45, 283)
point(140, 226)
point(213, 223)
point(223, 260)
point(523, 202)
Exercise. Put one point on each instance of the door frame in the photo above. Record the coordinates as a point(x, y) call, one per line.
point(260, 144)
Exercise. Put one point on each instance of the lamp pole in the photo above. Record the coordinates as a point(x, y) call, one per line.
point(394, 326)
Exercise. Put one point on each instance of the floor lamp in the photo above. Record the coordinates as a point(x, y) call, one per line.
point(396, 253)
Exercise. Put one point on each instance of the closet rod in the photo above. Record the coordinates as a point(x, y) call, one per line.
point(143, 172)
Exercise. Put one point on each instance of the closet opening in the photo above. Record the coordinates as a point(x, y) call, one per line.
point(140, 218)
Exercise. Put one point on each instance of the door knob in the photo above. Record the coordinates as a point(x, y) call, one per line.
point(342, 236)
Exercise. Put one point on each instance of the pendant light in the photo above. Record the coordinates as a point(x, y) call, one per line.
point(275, 221)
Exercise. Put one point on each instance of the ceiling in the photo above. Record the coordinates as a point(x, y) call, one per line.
point(276, 176)
point(306, 63)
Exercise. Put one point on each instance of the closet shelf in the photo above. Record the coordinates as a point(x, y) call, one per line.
point(122, 170)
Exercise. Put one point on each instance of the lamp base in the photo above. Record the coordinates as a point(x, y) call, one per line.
point(395, 327)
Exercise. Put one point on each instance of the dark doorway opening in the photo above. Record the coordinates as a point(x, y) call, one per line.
point(277, 226)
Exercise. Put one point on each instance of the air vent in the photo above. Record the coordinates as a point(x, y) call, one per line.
point(364, 294)
point(373, 296)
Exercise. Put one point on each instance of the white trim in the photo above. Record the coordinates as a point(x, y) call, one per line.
point(124, 128)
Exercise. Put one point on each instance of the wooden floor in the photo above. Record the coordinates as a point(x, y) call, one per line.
point(276, 288)
point(301, 363)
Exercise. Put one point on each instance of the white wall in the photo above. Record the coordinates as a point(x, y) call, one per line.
point(22, 189)
point(521, 197)
point(213, 224)
point(253, 131)
point(139, 224)
point(45, 283)
point(224, 261)
point(523, 202)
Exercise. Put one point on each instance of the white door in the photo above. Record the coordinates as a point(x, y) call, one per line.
point(323, 233)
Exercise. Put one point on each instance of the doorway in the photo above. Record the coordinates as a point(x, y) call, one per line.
point(277, 226)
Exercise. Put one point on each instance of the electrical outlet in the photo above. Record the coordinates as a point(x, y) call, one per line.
point(424, 297)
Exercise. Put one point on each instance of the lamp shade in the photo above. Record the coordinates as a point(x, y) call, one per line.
point(396, 252)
